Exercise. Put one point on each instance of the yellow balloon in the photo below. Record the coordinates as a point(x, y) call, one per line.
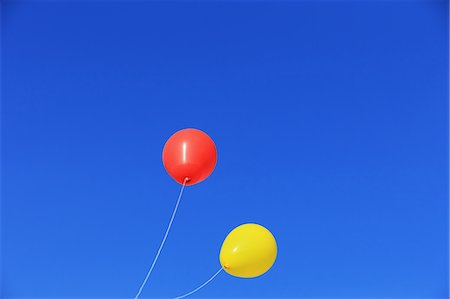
point(248, 251)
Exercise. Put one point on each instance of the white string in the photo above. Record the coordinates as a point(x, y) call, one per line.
point(163, 241)
point(201, 286)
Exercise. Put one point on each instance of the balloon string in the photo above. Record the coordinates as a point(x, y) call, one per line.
point(201, 286)
point(164, 239)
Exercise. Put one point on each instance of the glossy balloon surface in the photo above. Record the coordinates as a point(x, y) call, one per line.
point(190, 155)
point(248, 251)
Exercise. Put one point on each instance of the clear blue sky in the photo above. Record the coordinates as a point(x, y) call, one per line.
point(330, 119)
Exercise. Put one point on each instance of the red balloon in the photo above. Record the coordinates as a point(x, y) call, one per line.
point(189, 155)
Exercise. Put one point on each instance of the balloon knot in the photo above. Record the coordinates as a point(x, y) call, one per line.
point(186, 179)
point(226, 266)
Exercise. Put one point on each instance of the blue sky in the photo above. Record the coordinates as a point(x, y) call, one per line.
point(330, 120)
